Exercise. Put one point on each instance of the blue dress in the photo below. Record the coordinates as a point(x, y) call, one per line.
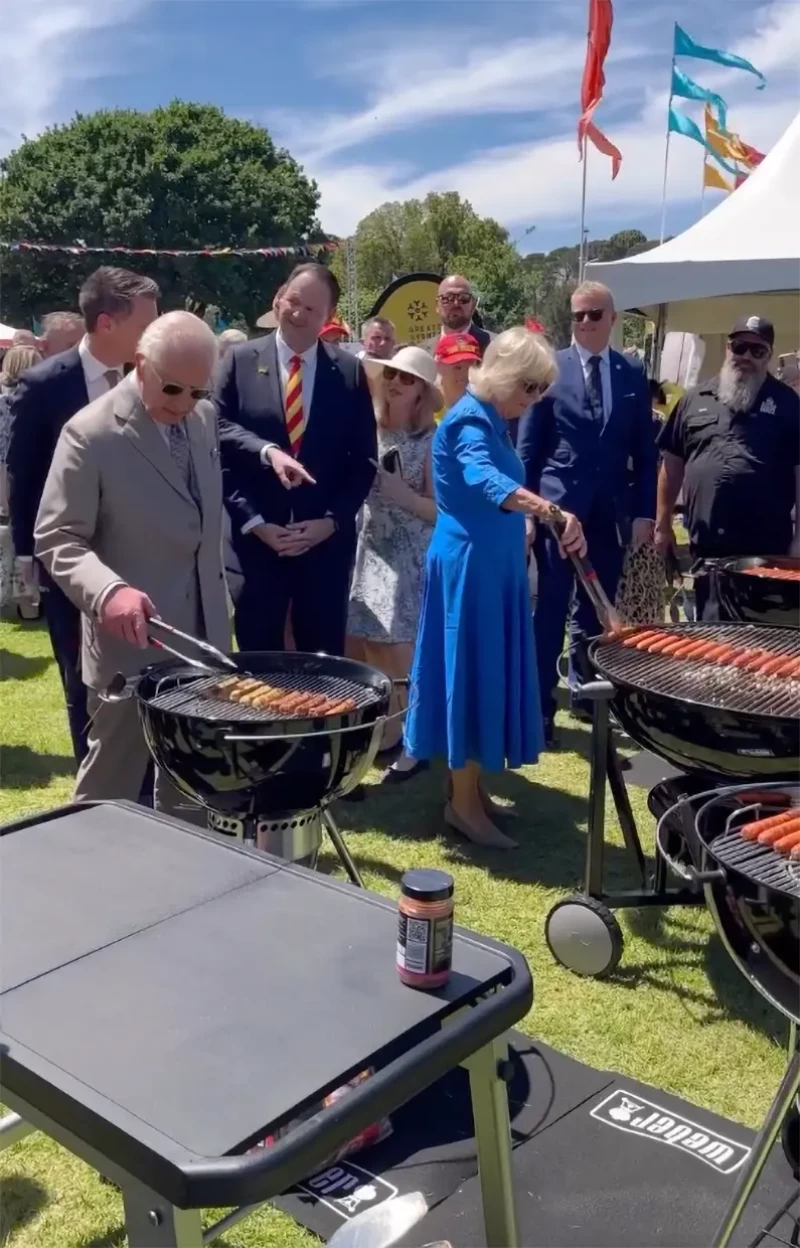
point(474, 692)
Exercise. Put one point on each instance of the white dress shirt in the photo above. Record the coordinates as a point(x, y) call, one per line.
point(94, 371)
point(308, 372)
point(605, 373)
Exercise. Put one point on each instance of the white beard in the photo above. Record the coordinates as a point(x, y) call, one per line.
point(737, 390)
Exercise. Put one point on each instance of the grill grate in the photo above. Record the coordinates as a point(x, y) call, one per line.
point(692, 680)
point(760, 863)
point(182, 693)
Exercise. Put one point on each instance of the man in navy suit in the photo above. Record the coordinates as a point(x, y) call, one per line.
point(588, 445)
point(299, 445)
point(117, 306)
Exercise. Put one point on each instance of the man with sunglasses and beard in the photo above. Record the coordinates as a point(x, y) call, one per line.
point(588, 446)
point(456, 305)
point(130, 526)
point(733, 446)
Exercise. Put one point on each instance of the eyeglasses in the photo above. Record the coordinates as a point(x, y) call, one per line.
point(172, 389)
point(758, 350)
point(593, 314)
point(463, 298)
point(406, 379)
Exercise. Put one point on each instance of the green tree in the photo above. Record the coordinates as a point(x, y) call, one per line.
point(440, 234)
point(183, 177)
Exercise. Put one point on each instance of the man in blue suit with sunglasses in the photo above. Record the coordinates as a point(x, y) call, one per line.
point(588, 446)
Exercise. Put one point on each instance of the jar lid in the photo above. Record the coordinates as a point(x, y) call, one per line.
point(427, 885)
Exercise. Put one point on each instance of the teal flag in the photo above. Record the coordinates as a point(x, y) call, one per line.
point(684, 46)
point(679, 123)
point(687, 89)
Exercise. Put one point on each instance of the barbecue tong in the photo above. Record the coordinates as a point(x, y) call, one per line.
point(607, 613)
point(211, 659)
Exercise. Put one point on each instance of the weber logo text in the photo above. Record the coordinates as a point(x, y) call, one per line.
point(633, 1114)
point(348, 1189)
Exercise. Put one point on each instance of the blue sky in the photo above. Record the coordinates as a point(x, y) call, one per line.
point(383, 101)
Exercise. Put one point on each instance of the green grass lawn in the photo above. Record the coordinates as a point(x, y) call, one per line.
point(676, 1014)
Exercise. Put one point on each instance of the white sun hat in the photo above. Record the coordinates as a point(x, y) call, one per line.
point(412, 360)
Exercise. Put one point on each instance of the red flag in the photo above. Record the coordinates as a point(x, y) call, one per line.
point(754, 156)
point(601, 20)
point(739, 179)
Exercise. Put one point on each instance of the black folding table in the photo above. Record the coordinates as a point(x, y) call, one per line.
point(169, 998)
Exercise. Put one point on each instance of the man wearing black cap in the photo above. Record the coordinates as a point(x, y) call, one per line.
point(733, 445)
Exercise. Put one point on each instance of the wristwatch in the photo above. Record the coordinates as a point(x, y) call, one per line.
point(330, 516)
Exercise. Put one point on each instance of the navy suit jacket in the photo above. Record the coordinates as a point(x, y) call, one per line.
point(339, 442)
point(573, 460)
point(44, 399)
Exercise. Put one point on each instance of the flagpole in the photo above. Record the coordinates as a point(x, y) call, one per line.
point(666, 145)
point(581, 256)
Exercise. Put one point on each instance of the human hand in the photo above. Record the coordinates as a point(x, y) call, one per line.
point(287, 470)
point(273, 535)
point(642, 532)
point(664, 538)
point(571, 540)
point(393, 489)
point(125, 613)
point(303, 534)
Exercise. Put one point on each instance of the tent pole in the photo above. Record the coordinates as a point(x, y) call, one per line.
point(658, 341)
point(582, 249)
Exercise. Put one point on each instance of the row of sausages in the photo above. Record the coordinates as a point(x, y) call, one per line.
point(248, 691)
point(781, 831)
point(720, 653)
point(774, 574)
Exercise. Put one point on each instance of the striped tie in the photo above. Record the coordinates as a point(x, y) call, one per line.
point(295, 420)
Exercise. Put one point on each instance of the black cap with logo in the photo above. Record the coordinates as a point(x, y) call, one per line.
point(756, 325)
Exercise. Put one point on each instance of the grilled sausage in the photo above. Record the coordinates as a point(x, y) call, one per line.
point(790, 839)
point(751, 831)
point(649, 634)
point(340, 708)
point(745, 657)
point(773, 666)
point(699, 649)
point(727, 653)
point(757, 662)
point(642, 643)
point(788, 669)
point(656, 647)
point(773, 834)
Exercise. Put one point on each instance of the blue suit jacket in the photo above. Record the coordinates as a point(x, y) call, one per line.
point(572, 460)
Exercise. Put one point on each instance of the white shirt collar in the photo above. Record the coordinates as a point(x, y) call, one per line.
point(584, 356)
point(93, 369)
point(285, 352)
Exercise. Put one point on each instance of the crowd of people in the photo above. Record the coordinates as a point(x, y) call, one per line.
point(392, 504)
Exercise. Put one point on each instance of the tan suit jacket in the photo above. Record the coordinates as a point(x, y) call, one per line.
point(115, 508)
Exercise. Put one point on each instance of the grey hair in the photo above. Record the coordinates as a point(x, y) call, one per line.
point(178, 331)
point(231, 337)
point(55, 322)
point(376, 320)
point(597, 289)
point(512, 357)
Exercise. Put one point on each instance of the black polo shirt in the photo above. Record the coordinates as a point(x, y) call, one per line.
point(739, 484)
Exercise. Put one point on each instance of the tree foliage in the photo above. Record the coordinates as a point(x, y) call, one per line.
point(184, 177)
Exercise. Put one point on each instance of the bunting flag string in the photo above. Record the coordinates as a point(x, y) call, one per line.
point(80, 249)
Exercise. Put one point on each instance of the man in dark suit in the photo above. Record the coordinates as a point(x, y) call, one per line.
point(117, 306)
point(295, 412)
point(456, 305)
point(588, 445)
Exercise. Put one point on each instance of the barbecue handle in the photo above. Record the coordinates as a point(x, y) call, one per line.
point(690, 873)
point(606, 612)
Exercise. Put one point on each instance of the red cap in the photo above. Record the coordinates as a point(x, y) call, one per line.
point(335, 326)
point(456, 349)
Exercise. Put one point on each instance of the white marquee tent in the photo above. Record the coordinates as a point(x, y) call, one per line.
point(742, 258)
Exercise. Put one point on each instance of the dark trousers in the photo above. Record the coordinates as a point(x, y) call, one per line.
point(64, 626)
point(560, 596)
point(317, 585)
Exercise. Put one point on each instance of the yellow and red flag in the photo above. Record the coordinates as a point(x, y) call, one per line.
point(601, 21)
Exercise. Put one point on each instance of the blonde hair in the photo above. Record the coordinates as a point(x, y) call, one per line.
point(422, 415)
point(55, 322)
point(597, 289)
point(15, 361)
point(230, 338)
point(512, 357)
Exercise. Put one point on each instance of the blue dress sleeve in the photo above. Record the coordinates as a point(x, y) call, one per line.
point(472, 445)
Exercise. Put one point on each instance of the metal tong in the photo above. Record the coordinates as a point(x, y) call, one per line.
point(607, 613)
point(211, 659)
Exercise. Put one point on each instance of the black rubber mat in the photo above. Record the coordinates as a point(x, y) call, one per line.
point(599, 1161)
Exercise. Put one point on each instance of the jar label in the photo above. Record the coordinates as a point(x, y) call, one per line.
point(424, 946)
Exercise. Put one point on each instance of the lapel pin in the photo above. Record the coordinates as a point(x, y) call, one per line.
point(263, 370)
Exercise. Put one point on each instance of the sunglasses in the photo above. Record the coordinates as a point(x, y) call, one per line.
point(463, 298)
point(531, 388)
point(172, 389)
point(593, 314)
point(758, 350)
point(406, 379)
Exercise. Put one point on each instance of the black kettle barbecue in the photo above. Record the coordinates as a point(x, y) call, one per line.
point(760, 590)
point(262, 774)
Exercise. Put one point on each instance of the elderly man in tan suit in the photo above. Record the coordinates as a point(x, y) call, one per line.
point(130, 525)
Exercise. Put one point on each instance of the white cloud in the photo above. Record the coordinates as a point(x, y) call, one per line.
point(46, 45)
point(540, 181)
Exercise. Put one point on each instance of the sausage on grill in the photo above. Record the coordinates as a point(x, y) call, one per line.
point(773, 834)
point(790, 838)
point(751, 831)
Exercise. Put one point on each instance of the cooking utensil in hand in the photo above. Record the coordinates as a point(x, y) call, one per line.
point(607, 613)
point(209, 657)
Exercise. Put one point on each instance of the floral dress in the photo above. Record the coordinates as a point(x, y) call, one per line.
point(386, 590)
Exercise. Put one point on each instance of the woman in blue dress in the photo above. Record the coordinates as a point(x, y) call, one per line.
point(474, 696)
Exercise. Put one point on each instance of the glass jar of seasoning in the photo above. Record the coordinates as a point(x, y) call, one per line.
point(425, 928)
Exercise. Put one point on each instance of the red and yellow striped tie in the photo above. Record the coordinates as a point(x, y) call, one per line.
point(295, 419)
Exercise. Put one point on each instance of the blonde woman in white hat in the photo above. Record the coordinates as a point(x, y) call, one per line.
point(397, 523)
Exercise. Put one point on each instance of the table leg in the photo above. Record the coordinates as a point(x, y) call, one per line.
point(493, 1139)
point(151, 1222)
point(13, 1128)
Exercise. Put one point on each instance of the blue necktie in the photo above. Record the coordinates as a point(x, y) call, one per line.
point(179, 450)
point(594, 387)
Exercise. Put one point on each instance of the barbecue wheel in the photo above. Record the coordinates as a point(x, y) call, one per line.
point(790, 1139)
point(584, 936)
